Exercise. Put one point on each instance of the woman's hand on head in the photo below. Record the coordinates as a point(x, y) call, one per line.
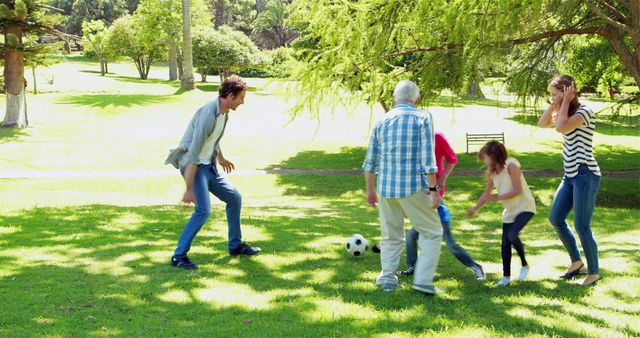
point(569, 93)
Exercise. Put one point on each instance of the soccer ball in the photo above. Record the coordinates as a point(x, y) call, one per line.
point(357, 245)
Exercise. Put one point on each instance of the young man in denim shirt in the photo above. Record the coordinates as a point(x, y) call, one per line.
point(196, 158)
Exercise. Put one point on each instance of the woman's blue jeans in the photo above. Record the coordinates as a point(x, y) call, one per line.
point(577, 193)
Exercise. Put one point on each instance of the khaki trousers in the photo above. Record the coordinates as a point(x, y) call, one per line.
point(426, 221)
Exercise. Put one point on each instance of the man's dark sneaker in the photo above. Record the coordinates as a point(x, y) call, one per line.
point(183, 263)
point(409, 271)
point(245, 250)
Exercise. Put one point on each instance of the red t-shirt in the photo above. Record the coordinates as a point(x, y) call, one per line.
point(443, 151)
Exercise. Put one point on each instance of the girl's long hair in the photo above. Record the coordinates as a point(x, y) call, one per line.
point(560, 82)
point(498, 155)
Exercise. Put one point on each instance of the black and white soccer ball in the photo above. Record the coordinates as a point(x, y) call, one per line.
point(357, 245)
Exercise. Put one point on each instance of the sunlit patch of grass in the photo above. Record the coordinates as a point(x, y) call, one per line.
point(9, 230)
point(336, 309)
point(124, 222)
point(176, 296)
point(219, 294)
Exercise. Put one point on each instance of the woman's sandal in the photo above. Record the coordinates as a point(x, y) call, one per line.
point(573, 273)
point(592, 283)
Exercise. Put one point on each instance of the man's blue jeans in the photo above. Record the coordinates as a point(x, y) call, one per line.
point(577, 193)
point(207, 180)
point(452, 246)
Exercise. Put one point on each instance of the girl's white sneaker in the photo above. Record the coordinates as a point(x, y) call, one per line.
point(504, 281)
point(524, 272)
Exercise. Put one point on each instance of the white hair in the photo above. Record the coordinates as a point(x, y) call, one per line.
point(406, 91)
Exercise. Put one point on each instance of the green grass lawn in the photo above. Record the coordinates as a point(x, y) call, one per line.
point(102, 269)
point(89, 216)
point(612, 159)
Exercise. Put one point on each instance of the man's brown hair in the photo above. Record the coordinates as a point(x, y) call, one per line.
point(232, 85)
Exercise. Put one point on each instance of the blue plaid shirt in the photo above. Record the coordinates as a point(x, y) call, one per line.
point(401, 151)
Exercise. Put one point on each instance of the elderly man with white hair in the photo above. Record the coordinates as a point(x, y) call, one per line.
point(401, 155)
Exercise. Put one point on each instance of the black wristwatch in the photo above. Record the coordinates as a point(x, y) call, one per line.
point(434, 188)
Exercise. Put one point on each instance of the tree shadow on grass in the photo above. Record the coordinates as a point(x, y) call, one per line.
point(205, 87)
point(449, 101)
point(614, 192)
point(10, 135)
point(347, 158)
point(91, 71)
point(103, 269)
point(131, 79)
point(208, 87)
point(115, 100)
point(610, 158)
point(211, 88)
point(622, 126)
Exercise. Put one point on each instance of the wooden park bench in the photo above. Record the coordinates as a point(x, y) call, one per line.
point(481, 139)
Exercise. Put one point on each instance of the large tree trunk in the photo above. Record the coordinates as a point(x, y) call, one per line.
point(35, 83)
point(13, 80)
point(173, 60)
point(474, 91)
point(622, 31)
point(148, 67)
point(630, 59)
point(139, 62)
point(260, 6)
point(384, 105)
point(187, 81)
point(219, 15)
point(102, 66)
point(225, 74)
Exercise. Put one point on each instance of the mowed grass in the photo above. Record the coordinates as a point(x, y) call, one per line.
point(102, 269)
point(90, 215)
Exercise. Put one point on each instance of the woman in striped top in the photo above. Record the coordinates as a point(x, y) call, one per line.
point(581, 179)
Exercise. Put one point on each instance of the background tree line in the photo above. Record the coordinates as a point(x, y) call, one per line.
point(361, 47)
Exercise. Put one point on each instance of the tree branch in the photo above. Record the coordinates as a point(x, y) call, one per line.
point(597, 11)
point(614, 11)
point(520, 41)
point(410, 34)
point(634, 7)
point(55, 9)
point(622, 50)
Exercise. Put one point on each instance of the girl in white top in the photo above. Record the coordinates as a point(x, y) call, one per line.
point(505, 175)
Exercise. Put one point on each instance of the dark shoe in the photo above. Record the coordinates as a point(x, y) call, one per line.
point(376, 248)
point(245, 250)
point(571, 274)
point(408, 272)
point(183, 263)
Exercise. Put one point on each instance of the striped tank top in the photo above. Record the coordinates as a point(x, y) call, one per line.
point(577, 147)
